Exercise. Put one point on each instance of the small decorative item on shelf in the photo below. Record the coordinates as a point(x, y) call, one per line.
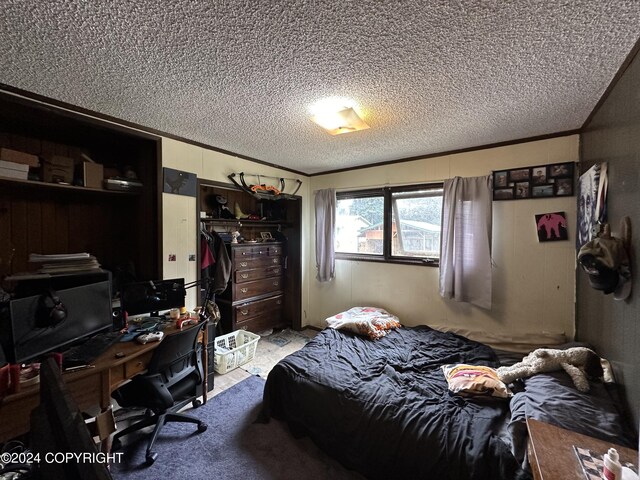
point(234, 236)
point(266, 236)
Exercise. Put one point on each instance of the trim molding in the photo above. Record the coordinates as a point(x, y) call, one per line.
point(454, 152)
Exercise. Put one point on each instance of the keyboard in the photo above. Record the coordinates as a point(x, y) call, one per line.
point(85, 353)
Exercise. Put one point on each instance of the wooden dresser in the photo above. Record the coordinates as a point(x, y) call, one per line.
point(254, 297)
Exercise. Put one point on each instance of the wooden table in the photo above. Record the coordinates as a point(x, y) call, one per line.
point(551, 453)
point(89, 387)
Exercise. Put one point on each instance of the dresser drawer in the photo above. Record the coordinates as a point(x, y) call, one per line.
point(256, 262)
point(249, 310)
point(241, 276)
point(262, 322)
point(257, 287)
point(238, 253)
point(264, 249)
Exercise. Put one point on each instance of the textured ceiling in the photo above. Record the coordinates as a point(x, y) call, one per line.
point(429, 76)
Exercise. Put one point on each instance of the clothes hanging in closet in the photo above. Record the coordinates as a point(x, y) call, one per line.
point(216, 263)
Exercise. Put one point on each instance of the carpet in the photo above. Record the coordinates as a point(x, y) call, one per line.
point(273, 348)
point(233, 447)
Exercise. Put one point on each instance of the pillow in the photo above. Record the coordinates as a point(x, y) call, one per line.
point(371, 322)
point(474, 380)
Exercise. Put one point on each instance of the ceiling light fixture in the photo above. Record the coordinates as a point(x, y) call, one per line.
point(337, 118)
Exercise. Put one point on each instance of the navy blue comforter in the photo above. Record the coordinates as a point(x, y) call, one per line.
point(382, 407)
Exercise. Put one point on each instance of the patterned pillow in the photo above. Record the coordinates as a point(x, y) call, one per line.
point(371, 322)
point(475, 380)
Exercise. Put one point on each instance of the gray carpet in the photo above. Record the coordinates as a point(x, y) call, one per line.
point(233, 447)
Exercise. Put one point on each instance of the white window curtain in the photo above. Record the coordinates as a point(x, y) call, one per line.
point(465, 249)
point(325, 228)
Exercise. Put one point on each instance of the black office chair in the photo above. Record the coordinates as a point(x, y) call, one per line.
point(171, 381)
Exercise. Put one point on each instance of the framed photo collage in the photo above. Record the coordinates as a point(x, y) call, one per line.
point(542, 181)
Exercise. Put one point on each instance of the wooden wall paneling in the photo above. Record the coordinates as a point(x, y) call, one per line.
point(32, 145)
point(5, 139)
point(6, 247)
point(34, 222)
point(83, 224)
point(19, 236)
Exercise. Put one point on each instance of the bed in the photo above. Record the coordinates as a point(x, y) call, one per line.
point(383, 409)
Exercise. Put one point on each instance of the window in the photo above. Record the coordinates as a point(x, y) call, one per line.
point(393, 224)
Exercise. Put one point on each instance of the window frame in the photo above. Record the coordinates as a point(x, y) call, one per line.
point(386, 256)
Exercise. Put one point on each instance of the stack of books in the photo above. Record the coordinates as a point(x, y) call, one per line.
point(65, 263)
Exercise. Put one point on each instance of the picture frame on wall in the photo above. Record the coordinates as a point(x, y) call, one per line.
point(503, 194)
point(523, 190)
point(519, 175)
point(501, 179)
point(538, 181)
point(551, 226)
point(542, 191)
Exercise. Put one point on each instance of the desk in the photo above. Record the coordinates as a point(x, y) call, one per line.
point(551, 452)
point(89, 387)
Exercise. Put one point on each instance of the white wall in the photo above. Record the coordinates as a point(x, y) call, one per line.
point(533, 283)
point(180, 213)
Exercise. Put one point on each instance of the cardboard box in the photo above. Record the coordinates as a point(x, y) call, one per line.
point(15, 156)
point(57, 169)
point(92, 174)
point(14, 170)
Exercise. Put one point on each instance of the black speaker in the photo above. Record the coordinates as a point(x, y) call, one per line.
point(118, 319)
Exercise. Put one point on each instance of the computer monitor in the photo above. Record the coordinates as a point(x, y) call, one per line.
point(29, 330)
point(152, 296)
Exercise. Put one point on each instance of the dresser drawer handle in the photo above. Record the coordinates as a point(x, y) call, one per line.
point(243, 264)
point(279, 302)
point(275, 284)
point(276, 270)
point(260, 252)
point(244, 290)
point(244, 312)
point(244, 275)
point(275, 260)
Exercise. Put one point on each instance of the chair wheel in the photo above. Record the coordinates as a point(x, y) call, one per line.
point(116, 444)
point(196, 403)
point(202, 427)
point(151, 457)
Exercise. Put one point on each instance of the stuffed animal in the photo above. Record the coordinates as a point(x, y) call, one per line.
point(579, 362)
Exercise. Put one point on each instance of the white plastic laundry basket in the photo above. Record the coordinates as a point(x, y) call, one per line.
point(234, 349)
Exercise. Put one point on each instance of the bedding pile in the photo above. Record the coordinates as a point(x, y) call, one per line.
point(371, 322)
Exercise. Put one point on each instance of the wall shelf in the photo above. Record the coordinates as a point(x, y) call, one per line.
point(57, 186)
point(245, 222)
